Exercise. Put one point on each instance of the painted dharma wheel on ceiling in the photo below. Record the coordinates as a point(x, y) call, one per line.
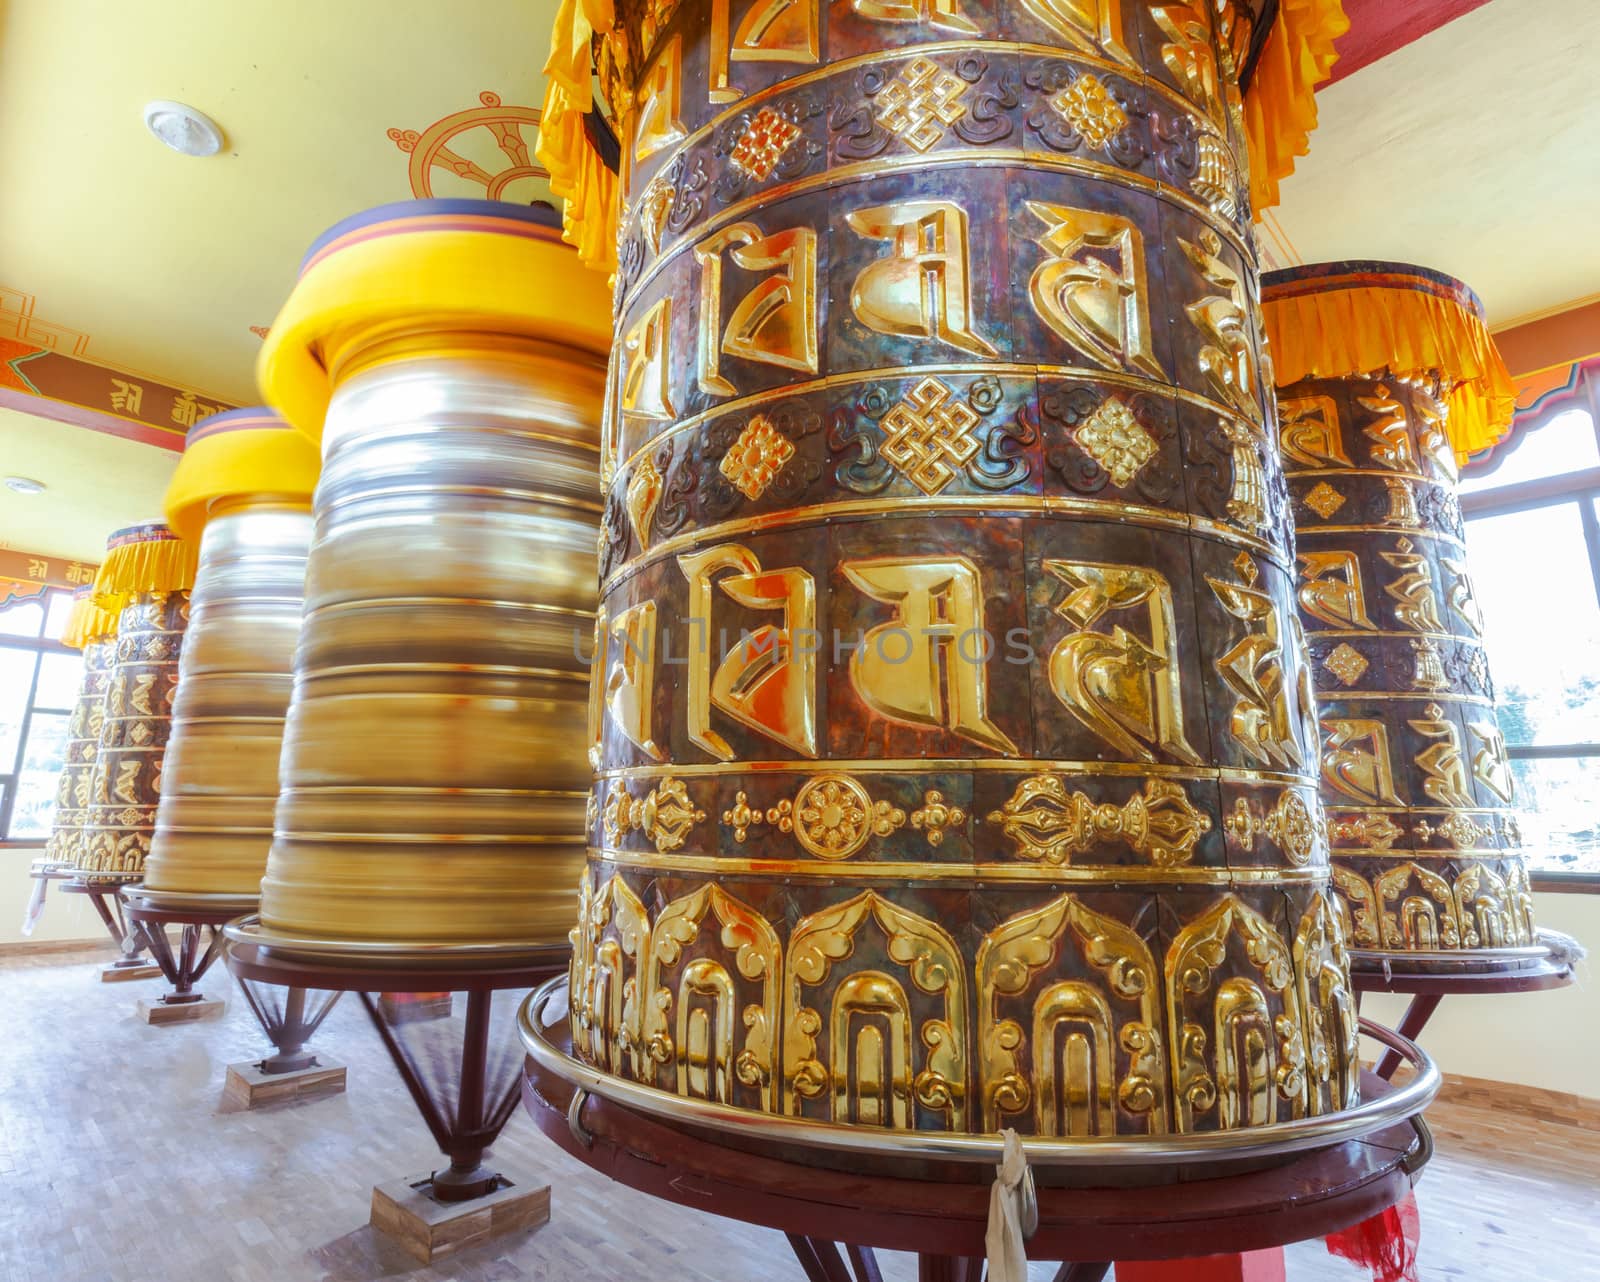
point(956, 757)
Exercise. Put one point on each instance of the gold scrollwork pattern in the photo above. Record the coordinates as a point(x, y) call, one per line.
point(665, 815)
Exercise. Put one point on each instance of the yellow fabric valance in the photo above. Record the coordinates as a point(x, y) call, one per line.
point(1280, 108)
point(88, 621)
point(233, 455)
point(147, 557)
point(1330, 320)
point(1280, 114)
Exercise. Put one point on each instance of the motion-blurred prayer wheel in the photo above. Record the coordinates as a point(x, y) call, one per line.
point(147, 572)
point(450, 357)
point(1387, 377)
point(93, 629)
point(242, 494)
point(955, 745)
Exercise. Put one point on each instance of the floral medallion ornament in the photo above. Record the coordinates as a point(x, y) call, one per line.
point(756, 457)
point(1087, 105)
point(1116, 440)
point(833, 817)
point(762, 144)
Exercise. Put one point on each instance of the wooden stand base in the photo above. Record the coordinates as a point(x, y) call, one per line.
point(1252, 1266)
point(111, 973)
point(429, 1230)
point(155, 1011)
point(248, 1087)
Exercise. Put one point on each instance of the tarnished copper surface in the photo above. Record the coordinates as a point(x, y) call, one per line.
point(136, 725)
point(214, 825)
point(433, 769)
point(1418, 785)
point(956, 760)
point(75, 786)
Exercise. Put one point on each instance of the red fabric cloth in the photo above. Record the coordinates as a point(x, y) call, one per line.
point(1386, 1244)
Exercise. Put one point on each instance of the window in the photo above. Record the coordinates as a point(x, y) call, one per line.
point(39, 680)
point(1533, 531)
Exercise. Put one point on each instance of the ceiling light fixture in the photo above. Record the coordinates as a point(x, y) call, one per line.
point(25, 485)
point(187, 131)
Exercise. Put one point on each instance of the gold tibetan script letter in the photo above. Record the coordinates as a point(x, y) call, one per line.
point(1310, 432)
point(926, 667)
point(1332, 592)
point(1356, 762)
point(1415, 605)
point(937, 13)
point(660, 103)
point(767, 682)
point(776, 322)
point(772, 31)
point(1442, 763)
point(1102, 311)
point(923, 289)
point(1128, 692)
point(630, 685)
point(646, 392)
point(1189, 56)
point(1491, 765)
point(1089, 26)
point(1228, 359)
point(1262, 720)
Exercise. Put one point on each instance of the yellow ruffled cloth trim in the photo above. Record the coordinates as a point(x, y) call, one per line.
point(1280, 108)
point(162, 563)
point(590, 194)
point(1372, 328)
point(237, 455)
point(88, 622)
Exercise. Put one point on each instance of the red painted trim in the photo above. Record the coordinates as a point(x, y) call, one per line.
point(77, 416)
point(1381, 27)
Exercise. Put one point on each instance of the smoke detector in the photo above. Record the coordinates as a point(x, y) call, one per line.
point(187, 131)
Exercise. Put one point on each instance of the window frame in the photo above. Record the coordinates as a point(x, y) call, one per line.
point(1581, 488)
point(40, 645)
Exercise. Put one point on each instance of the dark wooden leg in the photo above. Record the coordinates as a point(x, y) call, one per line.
point(1082, 1272)
point(1416, 1019)
point(865, 1263)
point(948, 1268)
point(819, 1258)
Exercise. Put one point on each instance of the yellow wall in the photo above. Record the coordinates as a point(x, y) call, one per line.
point(66, 917)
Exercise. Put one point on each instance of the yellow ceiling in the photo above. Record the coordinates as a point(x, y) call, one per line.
point(166, 261)
point(94, 484)
point(1471, 151)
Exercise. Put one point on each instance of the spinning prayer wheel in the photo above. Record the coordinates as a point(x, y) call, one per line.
point(92, 629)
point(956, 753)
point(242, 494)
point(450, 357)
point(146, 576)
point(1387, 377)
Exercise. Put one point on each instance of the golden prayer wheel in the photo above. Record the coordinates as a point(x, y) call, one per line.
point(146, 576)
point(242, 494)
point(450, 357)
point(955, 747)
point(1387, 376)
point(92, 629)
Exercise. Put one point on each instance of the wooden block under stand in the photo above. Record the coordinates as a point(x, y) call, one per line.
point(155, 1011)
point(248, 1087)
point(111, 973)
point(430, 1230)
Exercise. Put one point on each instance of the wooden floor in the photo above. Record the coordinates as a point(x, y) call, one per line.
point(117, 1165)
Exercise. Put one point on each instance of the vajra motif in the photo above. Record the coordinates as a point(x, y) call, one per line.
point(1050, 826)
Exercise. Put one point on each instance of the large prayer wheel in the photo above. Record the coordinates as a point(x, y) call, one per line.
point(450, 356)
point(92, 629)
point(955, 745)
point(1387, 373)
point(242, 493)
point(147, 574)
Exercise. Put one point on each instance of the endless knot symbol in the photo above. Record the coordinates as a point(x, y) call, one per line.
point(927, 433)
point(925, 95)
point(756, 457)
point(762, 144)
